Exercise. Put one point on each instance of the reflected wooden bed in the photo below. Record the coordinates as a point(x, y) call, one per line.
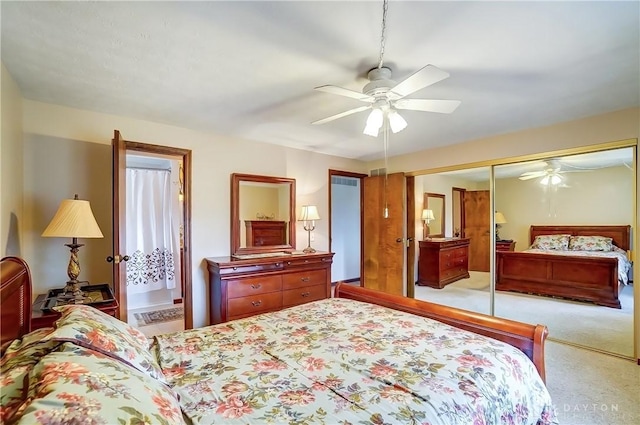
point(578, 278)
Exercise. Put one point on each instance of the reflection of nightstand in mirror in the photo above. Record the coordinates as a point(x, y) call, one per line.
point(505, 245)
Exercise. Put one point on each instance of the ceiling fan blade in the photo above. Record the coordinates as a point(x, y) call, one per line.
point(418, 80)
point(346, 92)
point(532, 175)
point(428, 105)
point(342, 114)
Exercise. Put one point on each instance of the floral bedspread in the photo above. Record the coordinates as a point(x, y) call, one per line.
point(339, 361)
point(624, 265)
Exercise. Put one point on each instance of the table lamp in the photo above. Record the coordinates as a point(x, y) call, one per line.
point(308, 216)
point(499, 219)
point(427, 216)
point(74, 219)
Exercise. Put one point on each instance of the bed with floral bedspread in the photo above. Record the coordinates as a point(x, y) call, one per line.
point(335, 361)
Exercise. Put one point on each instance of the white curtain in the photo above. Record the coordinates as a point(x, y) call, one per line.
point(151, 242)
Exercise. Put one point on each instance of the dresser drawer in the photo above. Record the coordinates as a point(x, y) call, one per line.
point(453, 263)
point(306, 261)
point(303, 295)
point(254, 304)
point(304, 278)
point(253, 286)
point(453, 253)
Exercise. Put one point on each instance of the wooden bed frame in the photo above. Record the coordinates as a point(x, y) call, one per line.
point(578, 278)
point(16, 312)
point(15, 299)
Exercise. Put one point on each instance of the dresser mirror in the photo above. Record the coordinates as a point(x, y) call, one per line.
point(262, 214)
point(435, 225)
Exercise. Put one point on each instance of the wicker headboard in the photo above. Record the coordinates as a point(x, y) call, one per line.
point(621, 235)
point(15, 299)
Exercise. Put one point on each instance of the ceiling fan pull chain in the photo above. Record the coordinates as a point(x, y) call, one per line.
point(385, 6)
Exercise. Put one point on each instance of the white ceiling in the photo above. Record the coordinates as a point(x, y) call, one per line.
point(248, 69)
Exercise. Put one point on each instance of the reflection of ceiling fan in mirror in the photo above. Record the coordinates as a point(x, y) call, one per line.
point(552, 174)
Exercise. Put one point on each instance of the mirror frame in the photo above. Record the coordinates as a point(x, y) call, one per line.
point(428, 195)
point(236, 245)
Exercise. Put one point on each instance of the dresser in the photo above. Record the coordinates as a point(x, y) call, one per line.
point(265, 232)
point(252, 284)
point(442, 261)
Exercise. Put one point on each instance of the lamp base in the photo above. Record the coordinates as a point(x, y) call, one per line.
point(72, 294)
point(309, 250)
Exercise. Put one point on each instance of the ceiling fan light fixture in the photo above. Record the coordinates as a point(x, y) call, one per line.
point(396, 122)
point(374, 122)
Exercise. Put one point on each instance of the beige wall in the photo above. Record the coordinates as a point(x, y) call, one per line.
point(215, 158)
point(11, 165)
point(57, 169)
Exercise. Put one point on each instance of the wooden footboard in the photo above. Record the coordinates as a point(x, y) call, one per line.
point(527, 338)
point(593, 279)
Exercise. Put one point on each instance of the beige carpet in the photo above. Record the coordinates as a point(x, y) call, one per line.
point(590, 388)
point(593, 326)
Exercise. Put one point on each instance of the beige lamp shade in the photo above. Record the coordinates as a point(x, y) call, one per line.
point(499, 218)
point(427, 215)
point(309, 213)
point(74, 219)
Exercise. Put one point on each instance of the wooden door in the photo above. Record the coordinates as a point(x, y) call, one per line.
point(119, 163)
point(477, 219)
point(383, 238)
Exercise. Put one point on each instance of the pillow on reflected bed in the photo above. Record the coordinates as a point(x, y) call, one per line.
point(78, 385)
point(591, 243)
point(551, 242)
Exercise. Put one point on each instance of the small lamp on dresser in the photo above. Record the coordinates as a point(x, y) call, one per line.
point(427, 216)
point(308, 216)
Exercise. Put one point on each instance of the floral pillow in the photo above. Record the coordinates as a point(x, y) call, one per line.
point(591, 243)
point(93, 329)
point(78, 385)
point(551, 242)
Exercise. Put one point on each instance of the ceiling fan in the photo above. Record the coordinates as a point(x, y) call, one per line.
point(384, 96)
point(551, 174)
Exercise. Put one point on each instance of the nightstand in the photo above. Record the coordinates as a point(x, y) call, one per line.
point(41, 319)
point(505, 245)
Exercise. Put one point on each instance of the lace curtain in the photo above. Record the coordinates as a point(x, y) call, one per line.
point(152, 244)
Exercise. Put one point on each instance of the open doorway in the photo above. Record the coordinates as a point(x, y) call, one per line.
point(345, 226)
point(179, 178)
point(155, 246)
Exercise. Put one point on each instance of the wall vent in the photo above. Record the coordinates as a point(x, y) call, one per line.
point(378, 172)
point(344, 181)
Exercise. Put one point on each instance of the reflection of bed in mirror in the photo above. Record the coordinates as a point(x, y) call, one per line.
point(590, 274)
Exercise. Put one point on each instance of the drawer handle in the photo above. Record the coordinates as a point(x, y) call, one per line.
point(305, 279)
point(288, 263)
point(256, 303)
point(277, 264)
point(305, 294)
point(255, 286)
